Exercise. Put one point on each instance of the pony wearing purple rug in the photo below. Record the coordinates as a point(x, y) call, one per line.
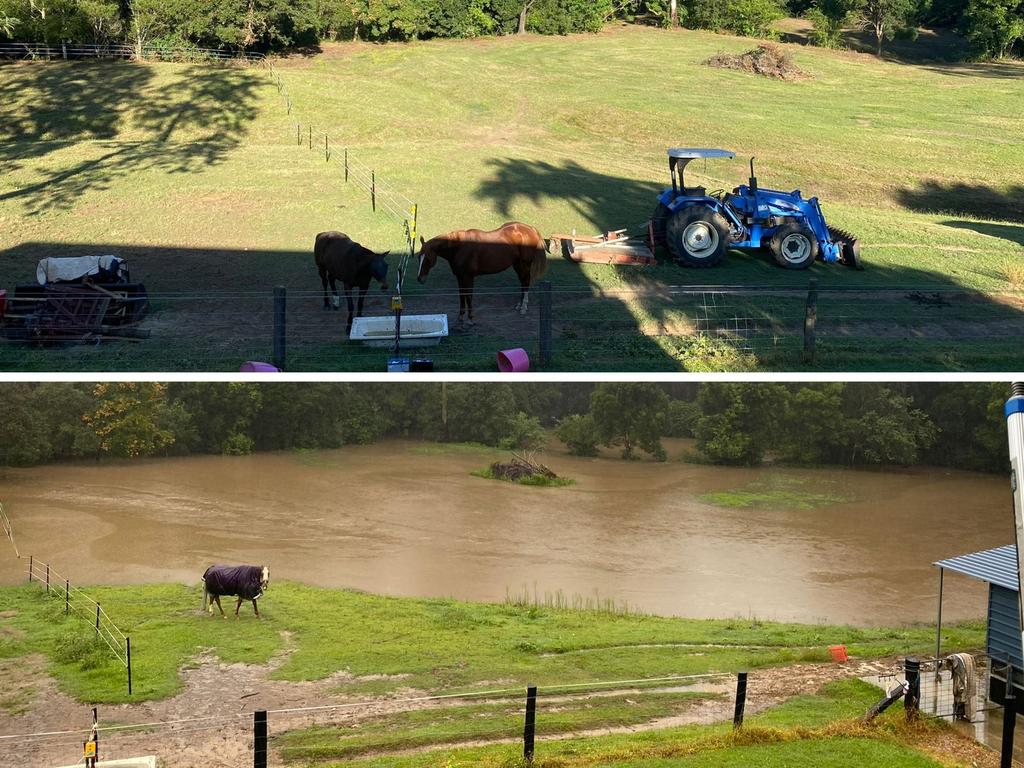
point(246, 582)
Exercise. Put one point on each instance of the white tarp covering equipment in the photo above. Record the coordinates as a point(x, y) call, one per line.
point(69, 269)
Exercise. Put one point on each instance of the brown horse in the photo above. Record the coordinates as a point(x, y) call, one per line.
point(339, 257)
point(472, 252)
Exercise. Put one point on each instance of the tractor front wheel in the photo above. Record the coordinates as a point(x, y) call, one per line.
point(794, 246)
point(697, 236)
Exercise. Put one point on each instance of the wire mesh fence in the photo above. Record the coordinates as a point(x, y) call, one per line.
point(668, 328)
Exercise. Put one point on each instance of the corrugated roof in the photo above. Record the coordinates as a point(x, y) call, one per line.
point(996, 566)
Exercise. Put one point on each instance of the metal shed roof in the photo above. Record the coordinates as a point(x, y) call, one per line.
point(996, 566)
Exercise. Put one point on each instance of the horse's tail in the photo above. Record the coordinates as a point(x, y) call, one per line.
point(320, 251)
point(539, 265)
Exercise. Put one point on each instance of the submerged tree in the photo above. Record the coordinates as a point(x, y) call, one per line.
point(630, 414)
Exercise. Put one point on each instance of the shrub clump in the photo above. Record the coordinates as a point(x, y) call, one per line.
point(767, 60)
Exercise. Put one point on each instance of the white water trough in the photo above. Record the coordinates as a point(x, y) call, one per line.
point(417, 330)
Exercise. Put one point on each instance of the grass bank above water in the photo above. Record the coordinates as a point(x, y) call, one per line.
point(423, 644)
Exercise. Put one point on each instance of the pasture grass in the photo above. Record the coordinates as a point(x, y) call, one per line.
point(781, 492)
point(390, 643)
point(489, 721)
point(195, 174)
point(817, 729)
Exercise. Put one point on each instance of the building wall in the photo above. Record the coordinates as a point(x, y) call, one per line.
point(1004, 636)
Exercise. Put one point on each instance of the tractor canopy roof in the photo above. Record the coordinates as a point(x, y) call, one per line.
point(688, 153)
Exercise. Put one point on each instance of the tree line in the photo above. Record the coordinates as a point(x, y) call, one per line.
point(994, 28)
point(856, 425)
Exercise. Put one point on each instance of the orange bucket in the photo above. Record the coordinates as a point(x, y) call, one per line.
point(838, 653)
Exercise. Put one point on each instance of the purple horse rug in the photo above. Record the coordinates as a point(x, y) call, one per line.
point(244, 581)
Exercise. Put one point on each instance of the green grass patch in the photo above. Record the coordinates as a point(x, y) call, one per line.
point(823, 753)
point(539, 481)
point(426, 644)
point(451, 724)
point(807, 731)
point(775, 499)
point(780, 492)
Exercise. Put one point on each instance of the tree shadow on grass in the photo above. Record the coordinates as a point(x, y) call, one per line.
point(770, 299)
point(993, 69)
point(211, 309)
point(604, 201)
point(1009, 232)
point(189, 122)
point(978, 201)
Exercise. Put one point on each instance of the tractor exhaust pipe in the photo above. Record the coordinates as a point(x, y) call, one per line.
point(1014, 412)
point(753, 178)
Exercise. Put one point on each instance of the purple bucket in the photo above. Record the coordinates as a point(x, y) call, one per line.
point(254, 367)
point(513, 361)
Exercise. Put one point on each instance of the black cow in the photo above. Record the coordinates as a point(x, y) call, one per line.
point(339, 257)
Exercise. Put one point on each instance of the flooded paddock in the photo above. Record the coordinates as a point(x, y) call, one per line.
point(407, 518)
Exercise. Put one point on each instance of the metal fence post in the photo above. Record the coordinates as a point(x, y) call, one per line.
point(327, 150)
point(298, 133)
point(128, 659)
point(741, 699)
point(346, 165)
point(545, 323)
point(47, 577)
point(1009, 721)
point(30, 557)
point(311, 137)
point(279, 328)
point(259, 741)
point(810, 320)
point(912, 698)
point(373, 191)
point(67, 596)
point(530, 726)
point(97, 618)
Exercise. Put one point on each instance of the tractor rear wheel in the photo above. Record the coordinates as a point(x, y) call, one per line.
point(659, 220)
point(697, 236)
point(794, 246)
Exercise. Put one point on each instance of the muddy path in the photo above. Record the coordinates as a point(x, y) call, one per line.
point(209, 723)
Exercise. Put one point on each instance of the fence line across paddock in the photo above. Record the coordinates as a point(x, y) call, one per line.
point(566, 327)
point(508, 720)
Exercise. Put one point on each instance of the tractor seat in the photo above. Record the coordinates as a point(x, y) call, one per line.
point(694, 191)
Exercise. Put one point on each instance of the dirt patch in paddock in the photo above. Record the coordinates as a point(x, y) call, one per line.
point(217, 701)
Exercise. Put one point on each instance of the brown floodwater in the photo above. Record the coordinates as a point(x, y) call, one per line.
point(405, 518)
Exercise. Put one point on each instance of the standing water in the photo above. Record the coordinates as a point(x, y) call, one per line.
point(407, 518)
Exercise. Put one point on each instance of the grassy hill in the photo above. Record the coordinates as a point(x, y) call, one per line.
point(919, 160)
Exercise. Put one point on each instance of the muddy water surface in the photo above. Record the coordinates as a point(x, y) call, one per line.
point(407, 519)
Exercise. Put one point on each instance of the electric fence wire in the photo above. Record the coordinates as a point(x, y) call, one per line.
point(219, 720)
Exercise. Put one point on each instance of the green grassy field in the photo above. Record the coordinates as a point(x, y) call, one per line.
point(432, 645)
point(196, 175)
point(391, 648)
point(817, 729)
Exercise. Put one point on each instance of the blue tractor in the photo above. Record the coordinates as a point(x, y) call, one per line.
point(699, 228)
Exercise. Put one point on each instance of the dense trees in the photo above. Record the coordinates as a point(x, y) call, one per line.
point(995, 28)
point(864, 424)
